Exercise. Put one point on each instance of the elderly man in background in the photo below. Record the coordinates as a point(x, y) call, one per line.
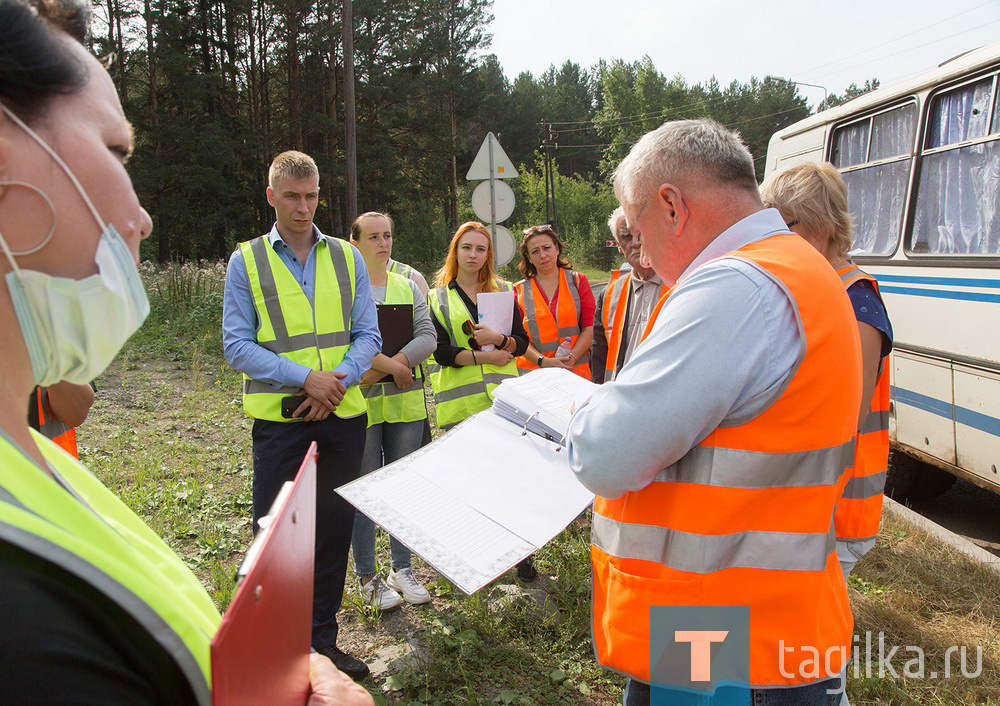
point(623, 306)
point(736, 417)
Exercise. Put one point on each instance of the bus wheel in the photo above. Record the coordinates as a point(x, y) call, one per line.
point(910, 479)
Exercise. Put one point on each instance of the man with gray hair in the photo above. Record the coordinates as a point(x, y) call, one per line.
point(623, 306)
point(716, 451)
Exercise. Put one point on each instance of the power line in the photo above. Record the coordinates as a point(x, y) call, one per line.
point(893, 41)
point(903, 51)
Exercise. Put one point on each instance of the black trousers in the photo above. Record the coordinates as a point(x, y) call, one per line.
point(278, 450)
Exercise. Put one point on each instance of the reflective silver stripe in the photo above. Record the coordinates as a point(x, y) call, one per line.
point(343, 273)
point(129, 602)
point(875, 421)
point(455, 393)
point(441, 294)
point(496, 378)
point(529, 306)
point(387, 388)
point(702, 554)
point(255, 387)
point(861, 487)
point(308, 340)
point(738, 468)
point(258, 248)
point(851, 274)
point(7, 497)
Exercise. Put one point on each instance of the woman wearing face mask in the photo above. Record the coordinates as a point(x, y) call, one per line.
point(92, 602)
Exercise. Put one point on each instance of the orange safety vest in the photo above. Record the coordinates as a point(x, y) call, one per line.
point(40, 417)
point(616, 302)
point(745, 517)
point(859, 510)
point(547, 331)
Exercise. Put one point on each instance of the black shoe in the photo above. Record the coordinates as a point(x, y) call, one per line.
point(351, 666)
point(526, 570)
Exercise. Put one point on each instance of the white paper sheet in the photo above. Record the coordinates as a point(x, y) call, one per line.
point(496, 309)
point(476, 501)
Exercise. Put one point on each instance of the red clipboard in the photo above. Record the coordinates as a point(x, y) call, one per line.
point(260, 655)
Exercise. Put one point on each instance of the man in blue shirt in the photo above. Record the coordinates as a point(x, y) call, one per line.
point(299, 322)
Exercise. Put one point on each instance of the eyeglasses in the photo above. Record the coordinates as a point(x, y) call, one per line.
point(793, 222)
point(468, 330)
point(535, 230)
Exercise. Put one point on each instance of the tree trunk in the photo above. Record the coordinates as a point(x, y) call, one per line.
point(294, 71)
point(453, 164)
point(350, 116)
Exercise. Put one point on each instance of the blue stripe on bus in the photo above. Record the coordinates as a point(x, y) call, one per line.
point(942, 294)
point(962, 415)
point(955, 281)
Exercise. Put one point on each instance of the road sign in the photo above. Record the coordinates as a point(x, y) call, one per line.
point(498, 164)
point(504, 246)
point(503, 200)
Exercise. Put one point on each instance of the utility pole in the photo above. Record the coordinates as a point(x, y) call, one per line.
point(350, 116)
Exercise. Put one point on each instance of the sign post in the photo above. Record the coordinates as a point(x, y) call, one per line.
point(492, 163)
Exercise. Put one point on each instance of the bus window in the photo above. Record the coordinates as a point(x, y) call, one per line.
point(957, 200)
point(874, 156)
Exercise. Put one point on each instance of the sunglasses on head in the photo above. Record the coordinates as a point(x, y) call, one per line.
point(468, 330)
point(535, 230)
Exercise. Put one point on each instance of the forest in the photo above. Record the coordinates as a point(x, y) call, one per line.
point(216, 88)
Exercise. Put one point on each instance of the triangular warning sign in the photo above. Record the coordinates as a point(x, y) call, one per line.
point(503, 168)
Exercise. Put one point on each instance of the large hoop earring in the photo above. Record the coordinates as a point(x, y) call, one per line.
point(52, 210)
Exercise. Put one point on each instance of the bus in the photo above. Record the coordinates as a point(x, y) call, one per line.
point(921, 160)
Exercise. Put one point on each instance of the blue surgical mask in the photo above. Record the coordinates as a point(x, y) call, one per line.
point(73, 329)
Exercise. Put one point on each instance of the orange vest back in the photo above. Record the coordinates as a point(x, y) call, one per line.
point(40, 417)
point(745, 518)
point(546, 331)
point(859, 510)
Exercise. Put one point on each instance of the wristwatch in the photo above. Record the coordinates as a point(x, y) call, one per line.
point(540, 359)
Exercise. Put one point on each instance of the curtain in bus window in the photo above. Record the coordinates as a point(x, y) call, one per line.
point(850, 145)
point(959, 115)
point(957, 203)
point(875, 198)
point(892, 132)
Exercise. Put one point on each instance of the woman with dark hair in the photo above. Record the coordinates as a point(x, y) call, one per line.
point(94, 606)
point(468, 374)
point(558, 306)
point(394, 393)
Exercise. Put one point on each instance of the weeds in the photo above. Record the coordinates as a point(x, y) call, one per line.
point(168, 435)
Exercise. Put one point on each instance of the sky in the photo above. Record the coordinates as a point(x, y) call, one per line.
point(831, 44)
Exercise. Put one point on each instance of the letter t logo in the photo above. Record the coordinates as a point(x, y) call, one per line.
point(701, 650)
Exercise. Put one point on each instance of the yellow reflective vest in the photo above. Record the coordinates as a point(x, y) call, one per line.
point(316, 334)
point(98, 539)
point(386, 402)
point(461, 392)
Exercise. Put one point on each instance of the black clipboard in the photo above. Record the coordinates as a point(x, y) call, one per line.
point(395, 324)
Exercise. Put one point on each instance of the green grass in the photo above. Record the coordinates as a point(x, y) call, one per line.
point(168, 434)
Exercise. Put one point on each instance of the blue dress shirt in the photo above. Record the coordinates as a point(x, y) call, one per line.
point(722, 347)
point(239, 320)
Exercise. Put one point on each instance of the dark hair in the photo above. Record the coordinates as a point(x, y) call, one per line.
point(36, 64)
point(525, 266)
point(356, 226)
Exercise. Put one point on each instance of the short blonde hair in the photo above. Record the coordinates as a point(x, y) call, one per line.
point(291, 165)
point(814, 194)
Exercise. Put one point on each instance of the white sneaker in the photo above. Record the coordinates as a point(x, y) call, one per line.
point(408, 587)
point(376, 594)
